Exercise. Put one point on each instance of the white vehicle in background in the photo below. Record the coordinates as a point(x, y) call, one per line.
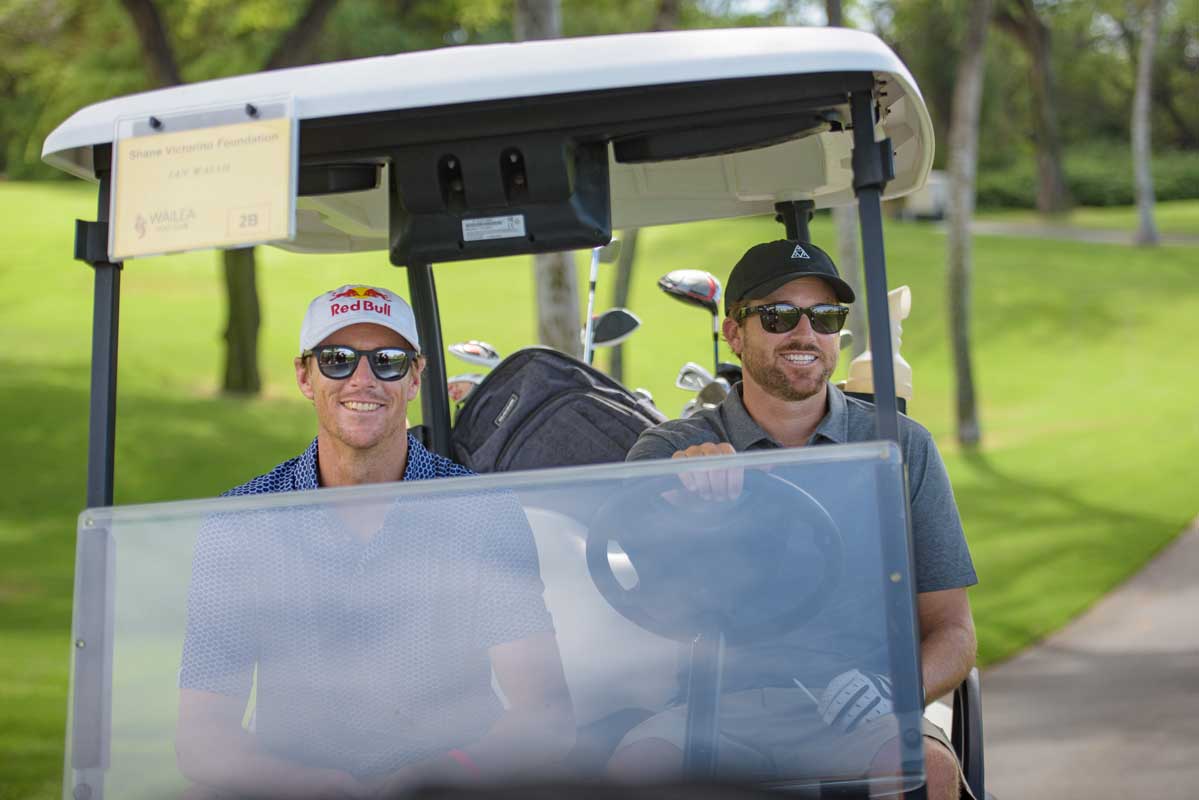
point(477, 152)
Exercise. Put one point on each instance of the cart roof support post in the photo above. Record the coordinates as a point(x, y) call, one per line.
point(91, 246)
point(872, 168)
point(795, 216)
point(434, 402)
point(94, 559)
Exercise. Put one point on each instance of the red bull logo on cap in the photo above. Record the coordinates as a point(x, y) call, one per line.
point(361, 298)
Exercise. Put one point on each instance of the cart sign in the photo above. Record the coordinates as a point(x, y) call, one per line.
point(185, 185)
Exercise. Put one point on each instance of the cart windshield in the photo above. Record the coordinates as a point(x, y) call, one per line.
point(528, 627)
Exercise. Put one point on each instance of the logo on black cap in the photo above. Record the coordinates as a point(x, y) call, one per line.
point(799, 252)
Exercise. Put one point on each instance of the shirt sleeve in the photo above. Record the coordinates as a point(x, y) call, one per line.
point(942, 556)
point(513, 603)
point(666, 439)
point(218, 645)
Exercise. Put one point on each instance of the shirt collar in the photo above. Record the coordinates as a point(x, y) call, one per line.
point(743, 431)
point(746, 434)
point(834, 427)
point(305, 473)
point(420, 461)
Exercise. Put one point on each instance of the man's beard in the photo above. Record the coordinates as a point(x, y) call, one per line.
point(766, 373)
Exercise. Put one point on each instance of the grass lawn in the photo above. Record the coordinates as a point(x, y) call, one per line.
point(1084, 360)
point(1174, 217)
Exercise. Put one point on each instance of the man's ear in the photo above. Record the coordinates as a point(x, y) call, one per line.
point(417, 371)
point(732, 335)
point(302, 378)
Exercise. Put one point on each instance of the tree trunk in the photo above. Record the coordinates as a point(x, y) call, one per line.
point(832, 10)
point(1142, 150)
point(241, 330)
point(156, 47)
point(667, 16)
point(963, 164)
point(849, 263)
point(537, 19)
point(557, 302)
point(620, 293)
point(296, 45)
point(1020, 19)
point(554, 273)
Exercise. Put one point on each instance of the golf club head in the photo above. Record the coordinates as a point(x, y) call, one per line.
point(694, 287)
point(459, 387)
point(614, 326)
point(644, 394)
point(610, 253)
point(692, 377)
point(729, 371)
point(846, 339)
point(476, 352)
point(688, 409)
point(713, 394)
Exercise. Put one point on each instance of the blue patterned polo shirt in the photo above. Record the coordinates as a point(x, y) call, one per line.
point(365, 653)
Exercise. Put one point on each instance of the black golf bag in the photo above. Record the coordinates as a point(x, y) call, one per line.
point(542, 408)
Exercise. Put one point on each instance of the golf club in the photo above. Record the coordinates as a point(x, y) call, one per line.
point(608, 253)
point(612, 327)
point(697, 288)
point(713, 394)
point(459, 387)
point(476, 352)
point(692, 377)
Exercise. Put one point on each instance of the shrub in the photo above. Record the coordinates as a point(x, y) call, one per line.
point(1099, 175)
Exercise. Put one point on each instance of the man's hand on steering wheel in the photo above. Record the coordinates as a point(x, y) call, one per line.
point(714, 484)
point(855, 698)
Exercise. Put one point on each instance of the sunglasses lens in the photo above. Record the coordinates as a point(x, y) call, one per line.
point(390, 365)
point(336, 361)
point(780, 318)
point(828, 319)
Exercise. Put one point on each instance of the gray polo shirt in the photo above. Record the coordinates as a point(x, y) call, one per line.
point(942, 558)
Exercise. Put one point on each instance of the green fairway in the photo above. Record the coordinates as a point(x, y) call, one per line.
point(1084, 361)
point(1174, 217)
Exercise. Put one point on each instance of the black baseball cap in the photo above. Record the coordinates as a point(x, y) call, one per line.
point(766, 267)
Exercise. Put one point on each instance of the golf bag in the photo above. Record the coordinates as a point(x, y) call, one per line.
point(542, 408)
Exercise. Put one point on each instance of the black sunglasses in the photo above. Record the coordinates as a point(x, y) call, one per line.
point(783, 317)
point(338, 361)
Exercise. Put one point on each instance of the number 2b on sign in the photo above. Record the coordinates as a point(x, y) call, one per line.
point(247, 220)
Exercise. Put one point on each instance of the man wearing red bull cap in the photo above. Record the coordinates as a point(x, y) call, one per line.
point(369, 631)
point(784, 306)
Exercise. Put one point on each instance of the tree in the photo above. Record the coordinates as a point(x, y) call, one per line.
point(963, 165)
point(1020, 19)
point(553, 273)
point(241, 375)
point(1141, 139)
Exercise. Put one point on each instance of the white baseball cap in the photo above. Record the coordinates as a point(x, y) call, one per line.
point(350, 304)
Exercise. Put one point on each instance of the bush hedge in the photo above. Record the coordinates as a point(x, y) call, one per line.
point(1100, 176)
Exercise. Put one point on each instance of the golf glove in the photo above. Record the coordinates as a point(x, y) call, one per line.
point(855, 698)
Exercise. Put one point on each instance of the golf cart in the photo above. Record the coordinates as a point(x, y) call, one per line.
point(477, 152)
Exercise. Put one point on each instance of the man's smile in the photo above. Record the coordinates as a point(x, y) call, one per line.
point(800, 358)
point(360, 405)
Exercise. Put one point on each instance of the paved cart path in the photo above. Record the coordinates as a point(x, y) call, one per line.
point(1051, 230)
point(1108, 707)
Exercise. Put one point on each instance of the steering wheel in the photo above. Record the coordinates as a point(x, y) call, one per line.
point(706, 566)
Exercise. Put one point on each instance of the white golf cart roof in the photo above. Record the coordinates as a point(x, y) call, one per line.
point(608, 80)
